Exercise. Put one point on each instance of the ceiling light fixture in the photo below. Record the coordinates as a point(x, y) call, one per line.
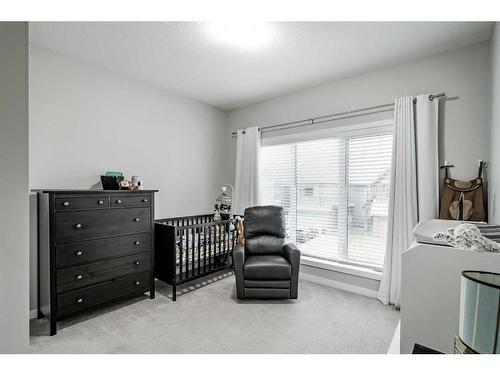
point(241, 34)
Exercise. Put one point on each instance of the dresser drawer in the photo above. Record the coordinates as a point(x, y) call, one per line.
point(78, 203)
point(93, 273)
point(130, 200)
point(78, 300)
point(81, 225)
point(89, 251)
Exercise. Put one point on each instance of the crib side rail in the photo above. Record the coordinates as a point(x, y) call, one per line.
point(186, 220)
point(207, 224)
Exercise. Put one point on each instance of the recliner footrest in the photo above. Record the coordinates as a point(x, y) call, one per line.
point(267, 293)
point(266, 284)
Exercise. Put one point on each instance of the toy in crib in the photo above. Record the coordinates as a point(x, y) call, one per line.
point(467, 236)
point(217, 216)
point(240, 229)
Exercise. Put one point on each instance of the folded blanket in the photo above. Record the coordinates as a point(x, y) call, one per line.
point(469, 236)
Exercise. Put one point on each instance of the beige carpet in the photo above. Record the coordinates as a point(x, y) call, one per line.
point(207, 319)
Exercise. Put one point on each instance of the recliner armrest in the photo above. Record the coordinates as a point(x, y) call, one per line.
point(239, 255)
point(239, 261)
point(292, 254)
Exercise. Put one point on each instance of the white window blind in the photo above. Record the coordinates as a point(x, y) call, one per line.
point(335, 195)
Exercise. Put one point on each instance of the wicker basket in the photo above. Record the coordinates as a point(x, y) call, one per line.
point(111, 182)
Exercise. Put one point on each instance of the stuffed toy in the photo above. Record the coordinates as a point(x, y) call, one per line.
point(217, 216)
point(467, 236)
point(240, 229)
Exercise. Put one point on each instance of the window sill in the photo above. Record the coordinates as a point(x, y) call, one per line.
point(342, 268)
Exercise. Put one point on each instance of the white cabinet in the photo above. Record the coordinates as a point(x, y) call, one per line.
point(430, 293)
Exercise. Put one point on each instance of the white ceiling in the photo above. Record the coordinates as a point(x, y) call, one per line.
point(183, 58)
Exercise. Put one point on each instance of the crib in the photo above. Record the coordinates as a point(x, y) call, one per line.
point(189, 247)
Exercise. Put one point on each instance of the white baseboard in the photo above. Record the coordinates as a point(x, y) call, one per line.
point(33, 314)
point(339, 285)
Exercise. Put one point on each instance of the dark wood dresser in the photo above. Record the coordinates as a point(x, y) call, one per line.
point(94, 247)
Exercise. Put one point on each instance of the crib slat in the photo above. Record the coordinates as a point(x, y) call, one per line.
point(205, 248)
point(192, 252)
point(219, 241)
point(231, 241)
point(199, 244)
point(226, 243)
point(180, 253)
point(225, 249)
point(210, 246)
point(186, 254)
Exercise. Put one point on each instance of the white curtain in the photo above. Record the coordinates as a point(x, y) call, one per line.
point(426, 117)
point(402, 199)
point(247, 169)
point(415, 169)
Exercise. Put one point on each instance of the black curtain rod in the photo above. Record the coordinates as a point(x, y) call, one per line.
point(338, 116)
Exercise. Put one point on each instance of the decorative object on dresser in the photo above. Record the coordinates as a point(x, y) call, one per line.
point(111, 180)
point(190, 247)
point(137, 182)
point(94, 247)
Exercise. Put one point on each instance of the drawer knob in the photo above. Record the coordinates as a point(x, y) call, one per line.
point(79, 300)
point(137, 219)
point(145, 200)
point(118, 201)
point(100, 203)
point(78, 226)
point(137, 262)
point(79, 277)
point(137, 283)
point(66, 204)
point(136, 242)
point(78, 253)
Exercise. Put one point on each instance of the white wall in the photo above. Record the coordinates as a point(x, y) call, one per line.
point(85, 121)
point(14, 261)
point(494, 160)
point(463, 74)
point(464, 119)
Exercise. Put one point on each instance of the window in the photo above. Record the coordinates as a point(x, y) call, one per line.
point(334, 192)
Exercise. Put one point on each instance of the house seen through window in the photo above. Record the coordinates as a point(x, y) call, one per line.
point(335, 193)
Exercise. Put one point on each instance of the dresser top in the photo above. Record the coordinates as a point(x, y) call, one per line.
point(88, 191)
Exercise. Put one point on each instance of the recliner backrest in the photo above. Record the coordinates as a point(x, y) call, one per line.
point(264, 230)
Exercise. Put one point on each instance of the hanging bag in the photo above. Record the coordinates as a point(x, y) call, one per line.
point(463, 200)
